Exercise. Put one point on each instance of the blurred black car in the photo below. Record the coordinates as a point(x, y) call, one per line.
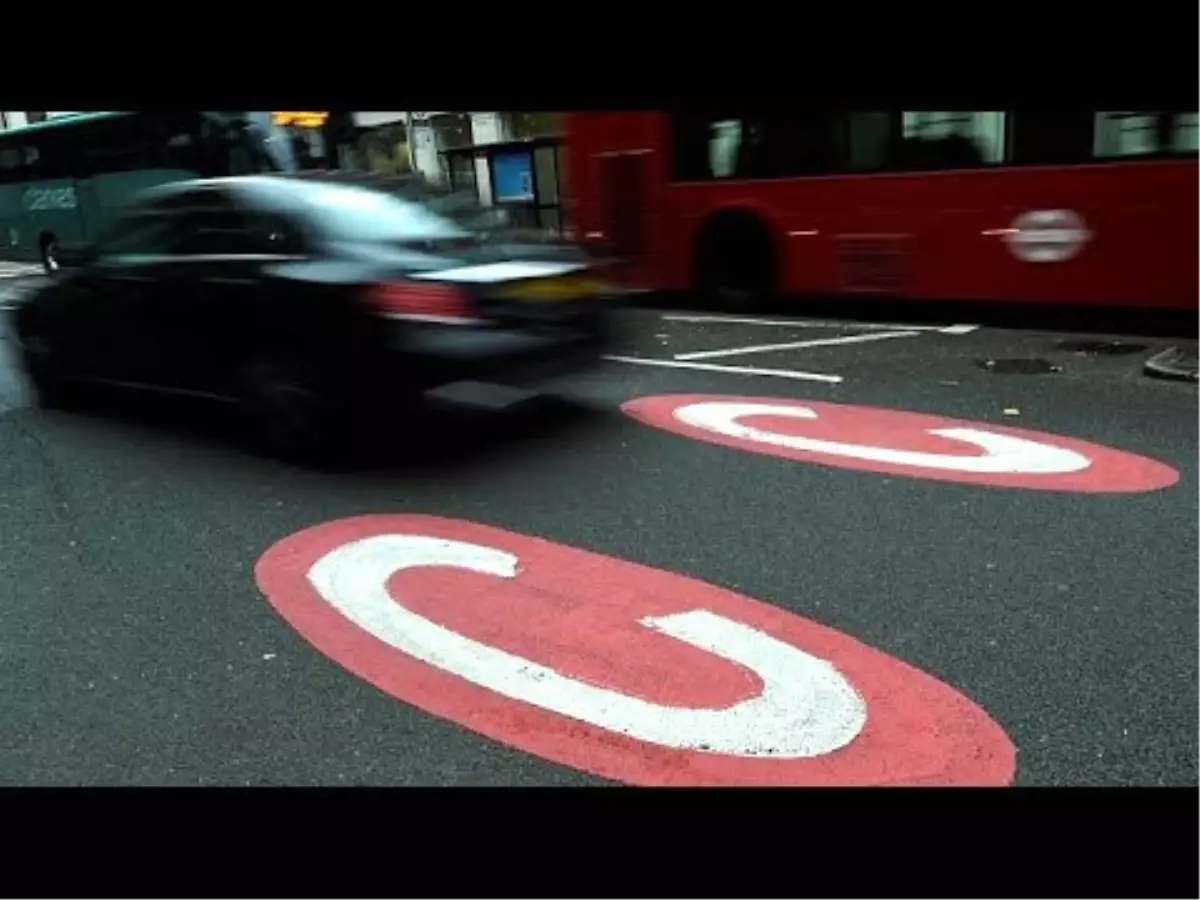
point(310, 303)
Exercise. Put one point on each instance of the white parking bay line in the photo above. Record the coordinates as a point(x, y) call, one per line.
point(731, 370)
point(815, 323)
point(797, 345)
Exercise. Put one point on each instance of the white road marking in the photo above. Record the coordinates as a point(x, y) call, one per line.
point(10, 270)
point(816, 323)
point(797, 345)
point(1002, 453)
point(730, 370)
point(806, 707)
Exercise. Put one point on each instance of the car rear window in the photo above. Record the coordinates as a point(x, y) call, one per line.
point(347, 213)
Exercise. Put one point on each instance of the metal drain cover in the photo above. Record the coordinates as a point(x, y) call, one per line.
point(1020, 367)
point(1101, 348)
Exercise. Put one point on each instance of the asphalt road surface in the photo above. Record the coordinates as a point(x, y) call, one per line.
point(137, 649)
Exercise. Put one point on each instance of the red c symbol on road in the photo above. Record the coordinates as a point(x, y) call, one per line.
point(627, 672)
point(902, 443)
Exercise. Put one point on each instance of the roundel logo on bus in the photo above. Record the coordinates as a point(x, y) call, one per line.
point(1047, 235)
point(627, 672)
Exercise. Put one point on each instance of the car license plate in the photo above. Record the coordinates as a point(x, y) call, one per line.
point(552, 290)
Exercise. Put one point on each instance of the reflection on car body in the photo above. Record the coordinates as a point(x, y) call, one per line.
point(309, 303)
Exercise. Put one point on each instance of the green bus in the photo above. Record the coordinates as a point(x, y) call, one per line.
point(62, 181)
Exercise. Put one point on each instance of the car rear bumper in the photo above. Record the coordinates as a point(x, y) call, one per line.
point(483, 354)
point(430, 356)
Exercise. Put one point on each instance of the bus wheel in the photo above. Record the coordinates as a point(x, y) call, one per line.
point(49, 253)
point(734, 263)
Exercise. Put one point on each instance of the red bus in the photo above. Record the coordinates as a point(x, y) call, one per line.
point(1056, 208)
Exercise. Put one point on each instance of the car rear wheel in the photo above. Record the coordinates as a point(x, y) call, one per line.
point(291, 412)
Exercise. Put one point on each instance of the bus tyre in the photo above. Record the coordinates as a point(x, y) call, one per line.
point(290, 413)
point(50, 254)
point(734, 263)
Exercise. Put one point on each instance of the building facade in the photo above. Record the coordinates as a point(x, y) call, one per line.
point(507, 160)
point(399, 142)
point(19, 119)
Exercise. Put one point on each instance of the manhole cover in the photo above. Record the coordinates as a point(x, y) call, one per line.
point(1020, 366)
point(1101, 348)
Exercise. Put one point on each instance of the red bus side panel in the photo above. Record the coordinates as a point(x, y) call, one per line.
point(1122, 234)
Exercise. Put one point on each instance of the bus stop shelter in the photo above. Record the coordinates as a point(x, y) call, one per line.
point(524, 177)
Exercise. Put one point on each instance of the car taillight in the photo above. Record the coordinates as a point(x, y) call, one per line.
point(422, 302)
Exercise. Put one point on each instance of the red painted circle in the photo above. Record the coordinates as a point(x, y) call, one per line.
point(1108, 470)
point(578, 613)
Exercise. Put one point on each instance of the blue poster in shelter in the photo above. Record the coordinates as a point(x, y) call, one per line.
point(512, 172)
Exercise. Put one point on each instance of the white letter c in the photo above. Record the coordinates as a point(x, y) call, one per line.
point(1002, 453)
point(806, 708)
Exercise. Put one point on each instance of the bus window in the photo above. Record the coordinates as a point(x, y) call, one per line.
point(723, 147)
point(988, 131)
point(1186, 138)
point(32, 156)
point(10, 162)
point(119, 144)
point(807, 143)
point(867, 141)
point(1121, 134)
point(756, 147)
point(950, 140)
point(1051, 137)
point(814, 144)
point(207, 144)
point(1125, 134)
point(691, 137)
point(47, 156)
point(782, 146)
